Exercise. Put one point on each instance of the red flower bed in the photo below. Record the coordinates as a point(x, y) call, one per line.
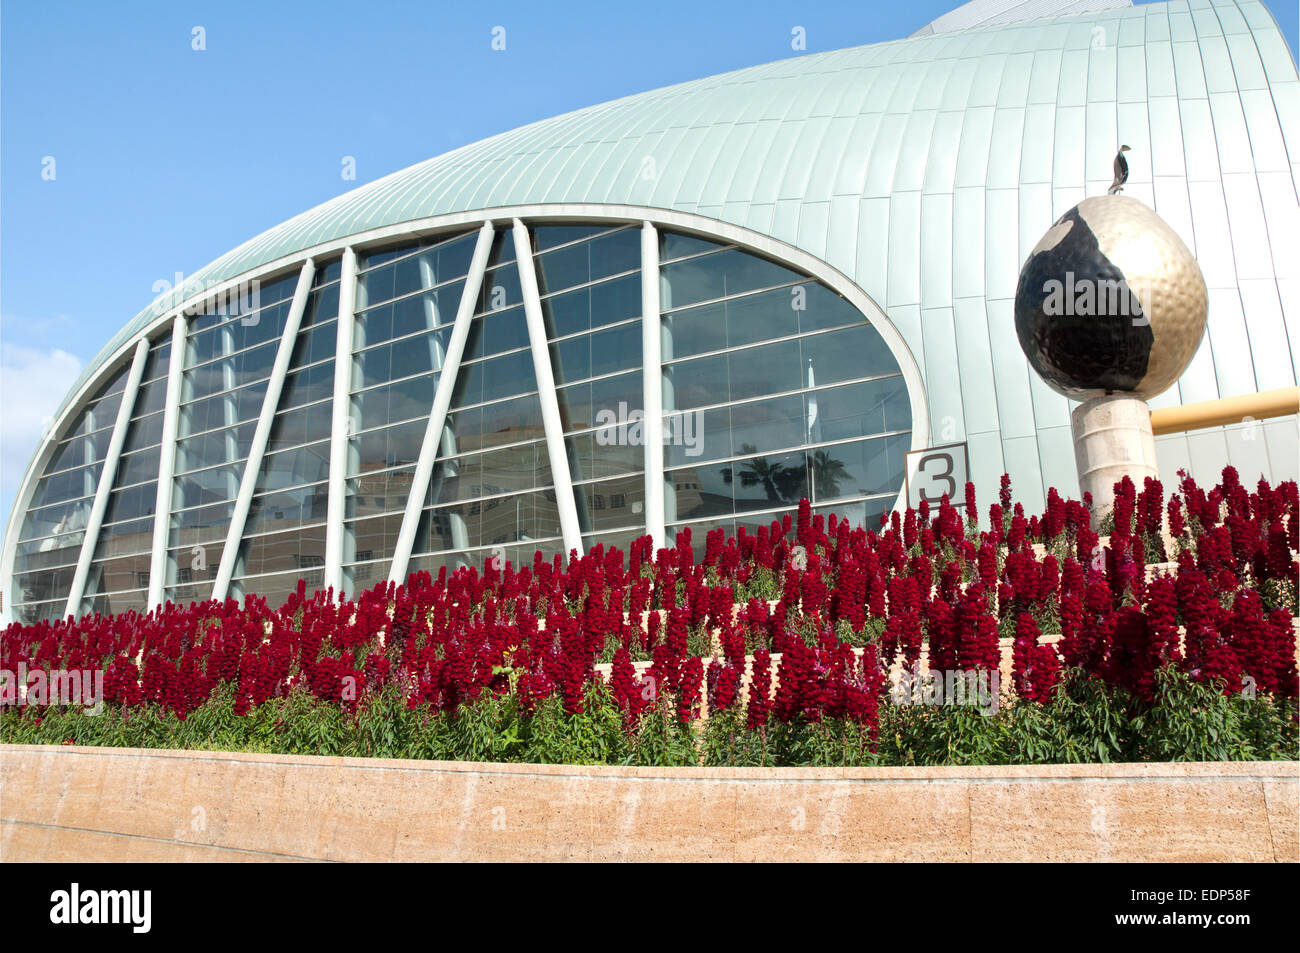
point(813, 590)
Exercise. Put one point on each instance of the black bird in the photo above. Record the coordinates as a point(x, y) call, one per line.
point(1121, 172)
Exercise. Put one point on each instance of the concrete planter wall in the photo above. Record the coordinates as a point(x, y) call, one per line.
point(112, 804)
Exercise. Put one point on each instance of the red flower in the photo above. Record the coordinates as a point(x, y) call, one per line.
point(688, 694)
point(760, 688)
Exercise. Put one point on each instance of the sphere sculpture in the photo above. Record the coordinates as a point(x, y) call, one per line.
point(1110, 309)
point(1110, 301)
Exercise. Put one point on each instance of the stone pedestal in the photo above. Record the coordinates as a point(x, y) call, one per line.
point(1112, 438)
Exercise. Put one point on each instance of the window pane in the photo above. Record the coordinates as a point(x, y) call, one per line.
point(724, 273)
point(614, 503)
point(852, 352)
point(772, 424)
point(673, 245)
point(764, 369)
point(864, 468)
point(761, 317)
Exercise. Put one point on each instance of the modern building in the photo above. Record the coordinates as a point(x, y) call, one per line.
point(802, 271)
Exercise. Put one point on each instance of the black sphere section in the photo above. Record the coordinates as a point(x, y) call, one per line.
point(1079, 323)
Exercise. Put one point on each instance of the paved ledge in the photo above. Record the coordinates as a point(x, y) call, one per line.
point(121, 804)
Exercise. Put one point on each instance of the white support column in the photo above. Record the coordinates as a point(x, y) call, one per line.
point(106, 477)
point(88, 483)
point(229, 406)
point(230, 552)
point(356, 405)
point(450, 469)
point(167, 466)
point(669, 394)
point(652, 385)
point(433, 431)
point(570, 529)
point(341, 427)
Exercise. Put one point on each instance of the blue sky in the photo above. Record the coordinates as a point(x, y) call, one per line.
point(165, 157)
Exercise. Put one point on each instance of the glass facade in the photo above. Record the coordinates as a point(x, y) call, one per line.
point(227, 367)
point(53, 529)
point(119, 573)
point(493, 487)
point(407, 300)
point(284, 532)
point(775, 388)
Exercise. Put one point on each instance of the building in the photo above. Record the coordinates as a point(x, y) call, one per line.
point(833, 242)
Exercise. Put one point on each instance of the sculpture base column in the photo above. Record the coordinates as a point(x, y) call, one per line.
point(1112, 439)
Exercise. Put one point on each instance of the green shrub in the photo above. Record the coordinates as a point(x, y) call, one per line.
point(1087, 721)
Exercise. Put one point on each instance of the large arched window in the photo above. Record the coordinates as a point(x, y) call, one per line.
point(772, 388)
point(779, 389)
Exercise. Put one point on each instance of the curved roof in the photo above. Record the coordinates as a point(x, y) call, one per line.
point(799, 148)
point(991, 12)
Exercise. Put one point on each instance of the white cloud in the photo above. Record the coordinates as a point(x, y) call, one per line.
point(32, 384)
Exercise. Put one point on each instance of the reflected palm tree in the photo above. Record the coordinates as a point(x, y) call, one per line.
point(827, 474)
point(774, 478)
point(786, 484)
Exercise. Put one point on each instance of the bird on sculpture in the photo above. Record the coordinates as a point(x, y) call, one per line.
point(1121, 172)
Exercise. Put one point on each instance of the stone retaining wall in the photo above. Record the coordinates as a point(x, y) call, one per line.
point(115, 804)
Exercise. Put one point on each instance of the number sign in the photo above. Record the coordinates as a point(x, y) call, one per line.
point(938, 471)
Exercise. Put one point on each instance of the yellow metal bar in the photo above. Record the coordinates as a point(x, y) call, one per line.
point(1226, 410)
